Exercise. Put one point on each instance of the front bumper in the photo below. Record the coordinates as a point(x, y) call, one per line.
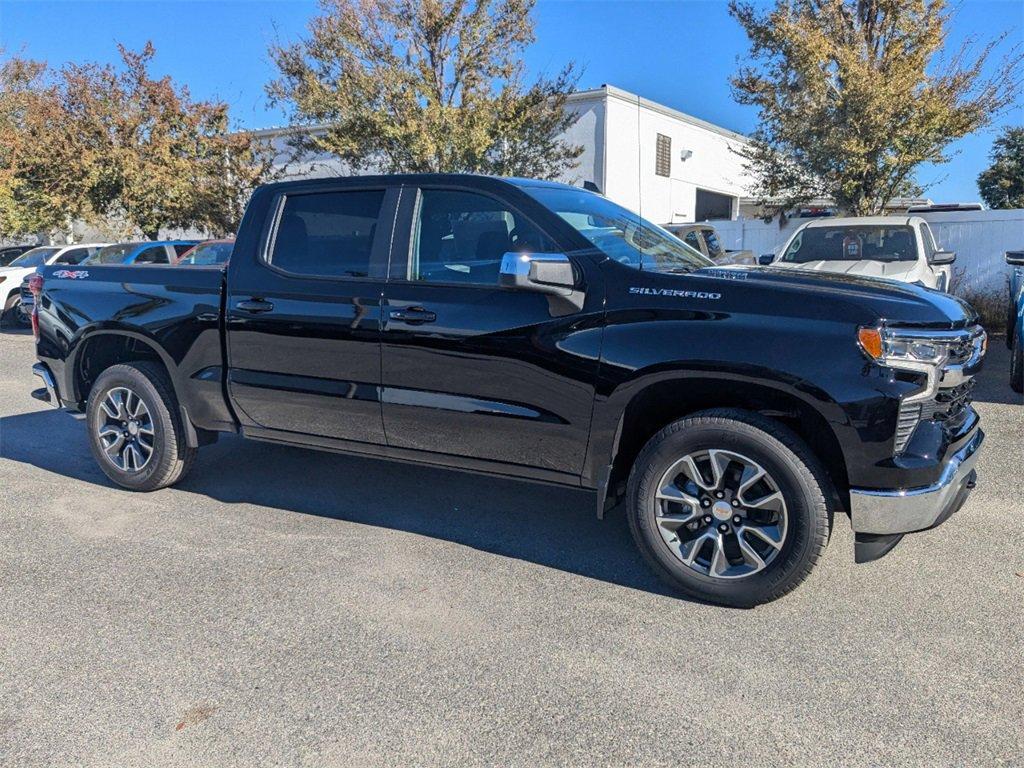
point(889, 512)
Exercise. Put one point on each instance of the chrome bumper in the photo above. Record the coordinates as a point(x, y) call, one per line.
point(49, 394)
point(915, 509)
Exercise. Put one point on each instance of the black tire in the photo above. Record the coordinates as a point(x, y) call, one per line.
point(171, 457)
point(1016, 364)
point(800, 478)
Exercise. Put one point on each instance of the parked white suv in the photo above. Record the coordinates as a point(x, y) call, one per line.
point(891, 247)
point(13, 274)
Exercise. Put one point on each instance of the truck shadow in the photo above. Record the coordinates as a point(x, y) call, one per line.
point(550, 526)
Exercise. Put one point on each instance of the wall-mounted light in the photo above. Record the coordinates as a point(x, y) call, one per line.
point(685, 154)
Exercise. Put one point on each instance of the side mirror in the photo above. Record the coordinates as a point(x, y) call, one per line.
point(1015, 258)
point(541, 272)
point(548, 273)
point(942, 257)
point(765, 259)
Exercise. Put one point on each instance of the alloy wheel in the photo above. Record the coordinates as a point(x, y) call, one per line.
point(125, 430)
point(721, 514)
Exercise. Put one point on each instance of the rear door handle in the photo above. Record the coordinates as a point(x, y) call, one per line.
point(255, 305)
point(413, 315)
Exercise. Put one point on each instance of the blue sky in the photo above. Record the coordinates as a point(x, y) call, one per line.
point(678, 53)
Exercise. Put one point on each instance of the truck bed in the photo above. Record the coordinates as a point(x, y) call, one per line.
point(174, 311)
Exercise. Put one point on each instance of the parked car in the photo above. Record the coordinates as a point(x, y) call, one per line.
point(207, 253)
point(892, 247)
point(539, 331)
point(11, 252)
point(704, 238)
point(25, 264)
point(149, 252)
point(1015, 320)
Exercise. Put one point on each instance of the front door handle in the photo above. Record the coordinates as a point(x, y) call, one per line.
point(255, 305)
point(413, 315)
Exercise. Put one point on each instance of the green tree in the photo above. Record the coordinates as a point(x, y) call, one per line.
point(165, 160)
point(426, 85)
point(1002, 184)
point(854, 95)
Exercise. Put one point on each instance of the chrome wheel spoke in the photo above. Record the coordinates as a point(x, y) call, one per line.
point(749, 553)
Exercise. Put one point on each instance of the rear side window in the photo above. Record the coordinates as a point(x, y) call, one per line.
point(327, 233)
point(692, 240)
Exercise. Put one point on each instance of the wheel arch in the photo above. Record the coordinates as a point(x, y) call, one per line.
point(97, 350)
point(667, 399)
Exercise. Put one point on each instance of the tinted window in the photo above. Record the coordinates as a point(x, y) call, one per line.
point(74, 256)
point(692, 240)
point(180, 248)
point(853, 243)
point(461, 237)
point(618, 232)
point(113, 254)
point(209, 253)
point(156, 254)
point(327, 233)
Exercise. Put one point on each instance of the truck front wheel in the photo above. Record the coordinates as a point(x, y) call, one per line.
point(135, 428)
point(729, 507)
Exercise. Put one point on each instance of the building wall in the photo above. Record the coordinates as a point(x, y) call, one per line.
point(633, 125)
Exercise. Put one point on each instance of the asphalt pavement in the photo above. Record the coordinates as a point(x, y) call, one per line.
point(287, 607)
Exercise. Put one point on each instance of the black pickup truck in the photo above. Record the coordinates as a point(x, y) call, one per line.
point(538, 331)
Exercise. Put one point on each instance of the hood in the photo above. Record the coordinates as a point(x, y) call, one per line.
point(877, 300)
point(891, 270)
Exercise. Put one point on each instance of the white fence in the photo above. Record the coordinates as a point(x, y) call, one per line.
point(979, 238)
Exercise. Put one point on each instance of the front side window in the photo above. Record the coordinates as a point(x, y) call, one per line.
point(852, 243)
point(618, 232)
point(461, 237)
point(113, 254)
point(34, 258)
point(692, 239)
point(74, 256)
point(930, 247)
point(155, 255)
point(327, 233)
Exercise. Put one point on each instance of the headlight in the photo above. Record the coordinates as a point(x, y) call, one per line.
point(910, 349)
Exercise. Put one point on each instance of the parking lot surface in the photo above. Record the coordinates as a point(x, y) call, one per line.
point(287, 607)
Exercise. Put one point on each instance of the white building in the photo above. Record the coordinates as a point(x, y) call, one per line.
point(667, 165)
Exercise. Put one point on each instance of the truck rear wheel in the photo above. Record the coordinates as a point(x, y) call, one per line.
point(135, 428)
point(729, 507)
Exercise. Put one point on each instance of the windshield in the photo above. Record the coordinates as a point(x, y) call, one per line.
point(618, 232)
point(34, 258)
point(208, 253)
point(852, 243)
point(113, 254)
